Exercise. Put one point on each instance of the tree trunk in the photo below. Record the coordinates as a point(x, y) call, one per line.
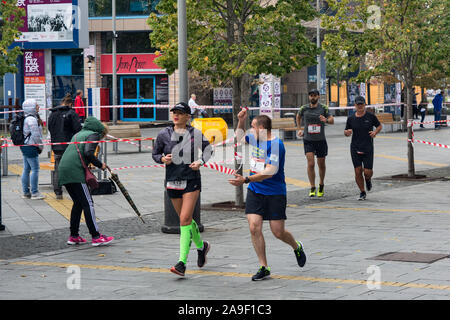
point(237, 82)
point(409, 116)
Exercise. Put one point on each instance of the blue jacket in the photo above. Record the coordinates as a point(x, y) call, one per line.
point(437, 102)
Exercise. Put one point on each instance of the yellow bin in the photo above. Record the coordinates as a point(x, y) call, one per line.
point(214, 129)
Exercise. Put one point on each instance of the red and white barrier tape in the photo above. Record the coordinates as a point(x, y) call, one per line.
point(430, 143)
point(428, 122)
point(130, 142)
point(163, 106)
point(214, 166)
point(68, 143)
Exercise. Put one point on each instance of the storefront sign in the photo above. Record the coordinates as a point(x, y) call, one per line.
point(131, 64)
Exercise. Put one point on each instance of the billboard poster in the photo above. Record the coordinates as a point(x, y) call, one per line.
point(223, 97)
point(34, 78)
point(47, 21)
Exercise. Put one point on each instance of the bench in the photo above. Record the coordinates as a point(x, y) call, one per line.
point(387, 118)
point(285, 124)
point(125, 131)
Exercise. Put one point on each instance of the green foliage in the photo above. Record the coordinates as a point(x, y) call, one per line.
point(230, 38)
point(412, 37)
point(11, 16)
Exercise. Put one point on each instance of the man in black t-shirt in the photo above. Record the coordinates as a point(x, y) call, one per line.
point(361, 125)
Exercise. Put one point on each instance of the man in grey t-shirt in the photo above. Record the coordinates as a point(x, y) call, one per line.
point(314, 116)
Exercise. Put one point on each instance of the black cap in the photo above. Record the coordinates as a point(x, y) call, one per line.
point(314, 91)
point(183, 107)
point(360, 100)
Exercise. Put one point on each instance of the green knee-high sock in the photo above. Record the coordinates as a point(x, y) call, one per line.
point(185, 242)
point(196, 235)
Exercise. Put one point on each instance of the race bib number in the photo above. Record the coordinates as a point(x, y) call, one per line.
point(314, 128)
point(177, 185)
point(256, 165)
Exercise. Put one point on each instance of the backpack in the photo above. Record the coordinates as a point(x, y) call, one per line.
point(16, 130)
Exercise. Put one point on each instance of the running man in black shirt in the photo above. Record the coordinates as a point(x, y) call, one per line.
point(361, 125)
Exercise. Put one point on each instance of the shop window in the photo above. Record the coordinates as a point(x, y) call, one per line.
point(128, 42)
point(103, 8)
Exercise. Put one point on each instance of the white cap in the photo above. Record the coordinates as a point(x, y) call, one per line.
point(438, 91)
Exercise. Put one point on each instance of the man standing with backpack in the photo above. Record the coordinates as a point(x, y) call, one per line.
point(63, 123)
point(26, 130)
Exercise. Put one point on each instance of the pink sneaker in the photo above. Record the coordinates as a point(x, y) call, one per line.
point(76, 240)
point(102, 240)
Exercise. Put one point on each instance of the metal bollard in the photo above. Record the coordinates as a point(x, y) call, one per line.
point(5, 161)
point(171, 219)
point(2, 227)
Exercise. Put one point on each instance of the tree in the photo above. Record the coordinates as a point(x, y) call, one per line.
point(10, 22)
point(232, 40)
point(402, 38)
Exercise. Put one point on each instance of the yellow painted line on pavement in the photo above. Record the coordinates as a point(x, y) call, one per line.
point(378, 209)
point(63, 207)
point(429, 163)
point(229, 274)
point(16, 169)
point(298, 183)
point(295, 182)
point(293, 144)
point(391, 138)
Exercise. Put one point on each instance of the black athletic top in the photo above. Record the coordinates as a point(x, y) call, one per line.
point(184, 149)
point(361, 139)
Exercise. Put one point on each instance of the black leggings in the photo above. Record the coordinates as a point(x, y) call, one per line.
point(82, 201)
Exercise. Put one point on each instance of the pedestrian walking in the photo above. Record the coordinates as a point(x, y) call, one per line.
point(414, 105)
point(314, 115)
point(79, 106)
point(437, 104)
point(423, 110)
point(71, 174)
point(32, 132)
point(63, 123)
point(360, 126)
point(178, 146)
point(196, 110)
point(266, 193)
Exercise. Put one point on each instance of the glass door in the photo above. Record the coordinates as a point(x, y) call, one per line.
point(136, 90)
point(147, 93)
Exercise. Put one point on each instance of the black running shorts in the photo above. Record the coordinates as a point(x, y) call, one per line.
point(269, 207)
point(192, 185)
point(362, 159)
point(319, 148)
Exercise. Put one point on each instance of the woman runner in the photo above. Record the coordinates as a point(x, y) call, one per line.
point(177, 146)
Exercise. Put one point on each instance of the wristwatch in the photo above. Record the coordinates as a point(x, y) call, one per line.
point(247, 180)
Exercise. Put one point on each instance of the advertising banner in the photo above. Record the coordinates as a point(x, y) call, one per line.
point(47, 20)
point(34, 78)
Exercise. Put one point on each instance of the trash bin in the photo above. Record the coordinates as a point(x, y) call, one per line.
point(171, 219)
point(214, 129)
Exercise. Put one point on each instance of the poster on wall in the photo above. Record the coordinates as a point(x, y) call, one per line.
point(34, 78)
point(223, 97)
point(54, 24)
point(47, 21)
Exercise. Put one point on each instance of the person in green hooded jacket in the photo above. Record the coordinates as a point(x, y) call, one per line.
point(71, 174)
